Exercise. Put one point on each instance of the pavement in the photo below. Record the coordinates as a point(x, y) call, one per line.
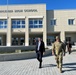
point(30, 66)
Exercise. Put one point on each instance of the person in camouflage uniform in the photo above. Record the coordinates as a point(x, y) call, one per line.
point(57, 50)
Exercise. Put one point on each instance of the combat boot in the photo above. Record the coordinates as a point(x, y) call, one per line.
point(60, 70)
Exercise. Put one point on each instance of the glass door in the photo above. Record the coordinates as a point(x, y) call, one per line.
point(14, 41)
point(22, 41)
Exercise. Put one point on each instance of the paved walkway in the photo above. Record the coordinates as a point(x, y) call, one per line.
point(30, 66)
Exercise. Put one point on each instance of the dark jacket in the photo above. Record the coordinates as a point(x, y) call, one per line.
point(42, 47)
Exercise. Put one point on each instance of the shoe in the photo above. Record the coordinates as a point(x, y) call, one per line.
point(40, 65)
point(60, 70)
point(69, 52)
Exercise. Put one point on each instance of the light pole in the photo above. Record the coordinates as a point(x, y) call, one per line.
point(7, 12)
point(7, 21)
point(8, 29)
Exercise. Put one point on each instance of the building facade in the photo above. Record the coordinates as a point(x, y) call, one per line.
point(23, 24)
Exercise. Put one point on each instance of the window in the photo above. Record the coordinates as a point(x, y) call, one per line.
point(35, 23)
point(22, 41)
point(53, 22)
point(3, 23)
point(14, 41)
point(32, 41)
point(68, 39)
point(50, 40)
point(71, 21)
point(18, 23)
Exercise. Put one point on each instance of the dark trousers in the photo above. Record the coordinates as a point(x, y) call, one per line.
point(69, 50)
point(39, 58)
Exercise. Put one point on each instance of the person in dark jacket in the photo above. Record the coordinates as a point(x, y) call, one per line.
point(69, 46)
point(40, 49)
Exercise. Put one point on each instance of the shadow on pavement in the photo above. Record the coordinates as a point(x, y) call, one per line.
point(70, 66)
point(49, 65)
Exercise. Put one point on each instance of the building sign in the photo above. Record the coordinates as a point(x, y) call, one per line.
point(18, 11)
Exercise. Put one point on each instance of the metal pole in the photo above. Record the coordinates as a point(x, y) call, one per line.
point(7, 10)
point(7, 21)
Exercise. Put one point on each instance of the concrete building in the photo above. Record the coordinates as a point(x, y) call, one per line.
point(22, 24)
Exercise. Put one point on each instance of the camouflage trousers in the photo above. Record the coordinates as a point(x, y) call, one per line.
point(59, 59)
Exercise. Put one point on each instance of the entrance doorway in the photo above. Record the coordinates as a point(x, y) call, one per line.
point(18, 41)
point(68, 39)
point(14, 41)
point(22, 41)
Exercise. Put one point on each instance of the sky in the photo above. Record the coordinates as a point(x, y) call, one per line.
point(50, 4)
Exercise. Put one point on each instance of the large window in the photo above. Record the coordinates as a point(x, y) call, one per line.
point(18, 23)
point(14, 41)
point(50, 40)
point(68, 39)
point(71, 21)
point(35, 23)
point(3, 23)
point(53, 22)
point(32, 41)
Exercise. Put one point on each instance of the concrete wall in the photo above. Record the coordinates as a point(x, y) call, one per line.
point(7, 49)
point(61, 17)
point(62, 25)
point(20, 56)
